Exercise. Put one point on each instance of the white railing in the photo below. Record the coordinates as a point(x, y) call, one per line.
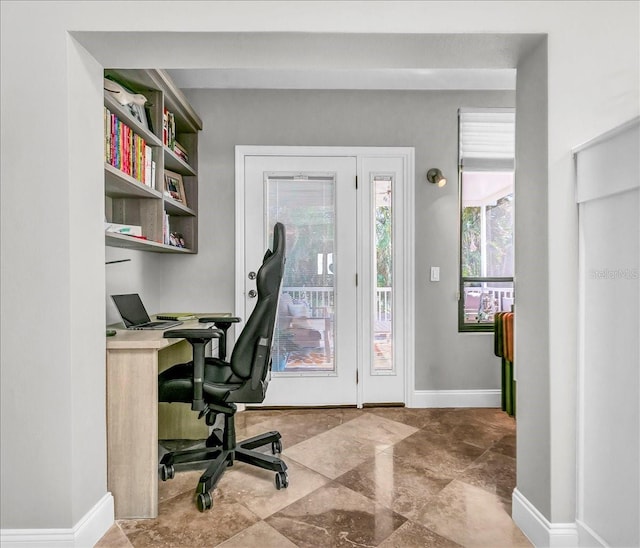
point(384, 310)
point(484, 302)
point(320, 300)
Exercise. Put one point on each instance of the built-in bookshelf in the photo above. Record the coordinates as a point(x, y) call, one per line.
point(145, 210)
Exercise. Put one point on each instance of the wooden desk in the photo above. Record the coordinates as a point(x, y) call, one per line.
point(134, 359)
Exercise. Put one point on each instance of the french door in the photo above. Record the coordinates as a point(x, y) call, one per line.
point(339, 336)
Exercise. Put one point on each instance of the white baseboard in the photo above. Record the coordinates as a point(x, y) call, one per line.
point(587, 536)
point(538, 529)
point(456, 398)
point(89, 530)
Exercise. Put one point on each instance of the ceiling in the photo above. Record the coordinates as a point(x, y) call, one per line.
point(298, 60)
point(363, 79)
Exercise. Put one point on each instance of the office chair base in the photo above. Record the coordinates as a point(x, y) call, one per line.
point(220, 459)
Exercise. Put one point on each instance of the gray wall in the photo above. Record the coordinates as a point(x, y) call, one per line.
point(52, 368)
point(532, 311)
point(445, 359)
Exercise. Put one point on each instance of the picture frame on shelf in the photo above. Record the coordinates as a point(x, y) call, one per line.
point(174, 187)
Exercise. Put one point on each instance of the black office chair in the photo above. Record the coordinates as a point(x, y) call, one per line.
point(214, 386)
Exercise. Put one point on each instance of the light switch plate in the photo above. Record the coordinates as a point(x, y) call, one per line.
point(435, 273)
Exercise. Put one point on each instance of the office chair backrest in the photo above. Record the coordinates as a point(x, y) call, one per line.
point(258, 330)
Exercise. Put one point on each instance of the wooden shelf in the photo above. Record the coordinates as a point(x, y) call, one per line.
point(173, 163)
point(172, 207)
point(117, 184)
point(127, 200)
point(187, 118)
point(113, 239)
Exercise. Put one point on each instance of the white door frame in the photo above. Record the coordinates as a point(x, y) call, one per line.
point(406, 228)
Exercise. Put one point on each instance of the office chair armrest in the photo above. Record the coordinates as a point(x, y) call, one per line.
point(223, 323)
point(219, 319)
point(193, 334)
point(198, 339)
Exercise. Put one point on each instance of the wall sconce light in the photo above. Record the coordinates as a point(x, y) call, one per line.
point(435, 176)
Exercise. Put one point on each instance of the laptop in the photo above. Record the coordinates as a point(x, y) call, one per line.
point(134, 314)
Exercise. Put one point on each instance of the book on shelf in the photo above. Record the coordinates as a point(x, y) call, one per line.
point(148, 179)
point(165, 229)
point(168, 128)
point(178, 316)
point(180, 152)
point(126, 150)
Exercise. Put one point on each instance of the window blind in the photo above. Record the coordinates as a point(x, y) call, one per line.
point(487, 139)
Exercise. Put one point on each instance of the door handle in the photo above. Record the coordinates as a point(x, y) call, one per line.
point(253, 294)
point(252, 275)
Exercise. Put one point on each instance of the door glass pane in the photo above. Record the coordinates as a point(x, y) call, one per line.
point(383, 271)
point(303, 341)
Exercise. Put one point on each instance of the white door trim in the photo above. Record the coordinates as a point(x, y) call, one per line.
point(407, 228)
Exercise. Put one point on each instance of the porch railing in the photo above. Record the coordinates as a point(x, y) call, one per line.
point(321, 300)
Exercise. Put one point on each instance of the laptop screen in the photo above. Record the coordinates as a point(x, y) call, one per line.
point(131, 309)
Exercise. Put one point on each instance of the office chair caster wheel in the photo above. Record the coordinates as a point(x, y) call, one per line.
point(204, 501)
point(167, 472)
point(276, 447)
point(282, 480)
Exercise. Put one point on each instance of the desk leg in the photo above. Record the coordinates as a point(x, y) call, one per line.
point(132, 432)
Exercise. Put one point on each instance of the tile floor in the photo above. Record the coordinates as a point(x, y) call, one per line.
point(388, 477)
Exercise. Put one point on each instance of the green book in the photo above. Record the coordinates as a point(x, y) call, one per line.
point(179, 316)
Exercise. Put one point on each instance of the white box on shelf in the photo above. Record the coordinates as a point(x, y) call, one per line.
point(131, 230)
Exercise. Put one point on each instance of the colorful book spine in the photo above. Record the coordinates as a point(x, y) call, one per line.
point(147, 166)
point(126, 150)
point(168, 129)
point(165, 127)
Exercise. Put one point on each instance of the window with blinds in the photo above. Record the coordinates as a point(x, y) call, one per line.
point(486, 169)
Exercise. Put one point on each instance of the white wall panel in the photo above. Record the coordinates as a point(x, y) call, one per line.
point(608, 179)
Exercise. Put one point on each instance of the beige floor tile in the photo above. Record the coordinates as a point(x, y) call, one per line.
point(412, 535)
point(375, 429)
point(472, 432)
point(493, 472)
point(114, 538)
point(396, 483)
point(295, 426)
point(472, 517)
point(331, 453)
point(259, 535)
point(419, 418)
point(180, 524)
point(484, 416)
point(442, 454)
point(254, 487)
point(183, 481)
point(334, 516)
point(506, 446)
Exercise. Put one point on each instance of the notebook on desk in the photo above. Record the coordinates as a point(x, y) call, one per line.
point(134, 315)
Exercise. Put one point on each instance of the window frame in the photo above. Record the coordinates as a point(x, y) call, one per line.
point(464, 327)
